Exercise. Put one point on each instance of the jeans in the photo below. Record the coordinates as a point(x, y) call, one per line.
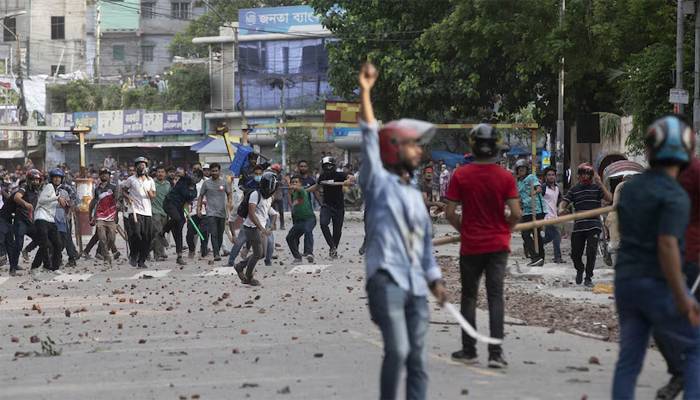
point(589, 241)
point(49, 253)
point(159, 242)
point(141, 235)
point(257, 242)
point(21, 228)
point(106, 233)
point(471, 267)
point(644, 304)
point(669, 349)
point(403, 321)
point(69, 246)
point(552, 234)
point(192, 234)
point(529, 241)
point(241, 241)
point(305, 228)
point(328, 215)
point(216, 226)
point(269, 247)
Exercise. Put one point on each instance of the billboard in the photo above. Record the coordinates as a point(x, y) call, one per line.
point(278, 20)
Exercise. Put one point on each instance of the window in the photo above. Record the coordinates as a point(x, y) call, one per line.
point(180, 10)
point(10, 30)
point(147, 53)
point(58, 28)
point(61, 69)
point(148, 10)
point(118, 52)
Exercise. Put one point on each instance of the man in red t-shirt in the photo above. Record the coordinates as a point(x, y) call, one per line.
point(483, 189)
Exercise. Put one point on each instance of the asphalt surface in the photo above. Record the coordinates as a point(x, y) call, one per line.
point(197, 332)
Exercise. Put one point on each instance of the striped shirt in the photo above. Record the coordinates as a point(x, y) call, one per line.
point(584, 198)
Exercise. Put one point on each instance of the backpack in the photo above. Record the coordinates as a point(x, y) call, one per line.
point(242, 210)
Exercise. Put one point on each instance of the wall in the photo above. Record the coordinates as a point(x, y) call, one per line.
point(44, 51)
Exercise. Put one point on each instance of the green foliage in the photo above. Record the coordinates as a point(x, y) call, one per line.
point(222, 13)
point(188, 90)
point(298, 144)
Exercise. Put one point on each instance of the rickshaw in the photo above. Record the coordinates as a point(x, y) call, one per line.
point(613, 175)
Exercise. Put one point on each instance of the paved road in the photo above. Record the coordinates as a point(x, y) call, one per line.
point(196, 332)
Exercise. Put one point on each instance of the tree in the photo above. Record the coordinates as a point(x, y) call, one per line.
point(188, 87)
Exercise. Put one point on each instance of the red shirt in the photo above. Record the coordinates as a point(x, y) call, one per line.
point(690, 180)
point(483, 189)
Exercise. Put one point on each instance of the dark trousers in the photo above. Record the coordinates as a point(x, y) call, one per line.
point(68, 244)
point(587, 240)
point(257, 243)
point(278, 205)
point(305, 228)
point(7, 238)
point(529, 239)
point(192, 234)
point(159, 242)
point(216, 226)
point(176, 221)
point(21, 228)
point(140, 237)
point(471, 267)
point(50, 245)
point(337, 216)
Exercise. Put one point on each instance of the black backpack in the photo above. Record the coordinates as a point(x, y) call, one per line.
point(242, 210)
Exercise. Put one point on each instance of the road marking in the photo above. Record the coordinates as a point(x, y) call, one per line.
point(64, 278)
point(308, 268)
point(220, 271)
point(3, 279)
point(447, 360)
point(156, 273)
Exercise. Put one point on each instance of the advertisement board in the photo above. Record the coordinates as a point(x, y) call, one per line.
point(278, 20)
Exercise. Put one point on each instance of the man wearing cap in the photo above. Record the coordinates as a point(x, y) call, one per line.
point(139, 191)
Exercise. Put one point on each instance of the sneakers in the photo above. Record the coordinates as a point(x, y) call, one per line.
point(217, 258)
point(180, 261)
point(538, 262)
point(85, 256)
point(116, 255)
point(310, 258)
point(297, 261)
point(558, 261)
point(588, 283)
point(465, 357)
point(671, 390)
point(333, 253)
point(497, 361)
point(579, 277)
point(142, 266)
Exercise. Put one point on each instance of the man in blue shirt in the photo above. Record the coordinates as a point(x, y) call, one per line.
point(399, 255)
point(527, 185)
point(650, 292)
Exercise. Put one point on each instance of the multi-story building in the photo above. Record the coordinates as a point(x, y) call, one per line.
point(135, 34)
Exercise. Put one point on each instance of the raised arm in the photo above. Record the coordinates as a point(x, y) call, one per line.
point(368, 76)
point(372, 165)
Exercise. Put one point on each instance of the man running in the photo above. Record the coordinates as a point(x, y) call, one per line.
point(140, 191)
point(218, 194)
point(49, 253)
point(159, 219)
point(650, 292)
point(103, 214)
point(303, 220)
point(586, 195)
point(529, 187)
point(552, 197)
point(400, 263)
point(333, 207)
point(483, 189)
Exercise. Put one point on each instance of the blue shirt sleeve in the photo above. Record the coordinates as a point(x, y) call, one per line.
point(372, 167)
point(432, 271)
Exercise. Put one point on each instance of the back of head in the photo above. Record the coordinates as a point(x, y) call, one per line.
point(669, 141)
point(484, 141)
point(268, 184)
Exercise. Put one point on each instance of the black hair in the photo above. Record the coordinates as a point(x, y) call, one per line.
point(258, 167)
point(303, 161)
point(295, 177)
point(198, 173)
point(169, 169)
point(215, 165)
point(159, 167)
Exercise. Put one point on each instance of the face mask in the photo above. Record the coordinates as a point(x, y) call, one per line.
point(141, 170)
point(258, 178)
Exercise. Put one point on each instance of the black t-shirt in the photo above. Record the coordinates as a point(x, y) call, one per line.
point(333, 195)
point(8, 207)
point(31, 197)
point(584, 198)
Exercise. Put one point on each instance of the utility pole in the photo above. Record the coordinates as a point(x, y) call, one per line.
point(241, 103)
point(22, 105)
point(283, 129)
point(558, 151)
point(678, 107)
point(98, 34)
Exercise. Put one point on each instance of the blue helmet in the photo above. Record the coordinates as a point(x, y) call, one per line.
point(670, 141)
point(56, 172)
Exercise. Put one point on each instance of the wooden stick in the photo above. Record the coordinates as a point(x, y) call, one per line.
point(526, 226)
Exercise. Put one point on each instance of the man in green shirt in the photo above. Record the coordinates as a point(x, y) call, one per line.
point(160, 218)
point(303, 219)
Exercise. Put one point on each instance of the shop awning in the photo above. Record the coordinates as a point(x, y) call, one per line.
point(202, 143)
point(11, 154)
point(145, 145)
point(217, 146)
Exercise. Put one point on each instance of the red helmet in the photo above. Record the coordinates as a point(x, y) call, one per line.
point(33, 174)
point(394, 133)
point(276, 167)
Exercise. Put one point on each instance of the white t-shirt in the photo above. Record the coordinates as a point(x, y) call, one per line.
point(138, 194)
point(263, 210)
point(551, 195)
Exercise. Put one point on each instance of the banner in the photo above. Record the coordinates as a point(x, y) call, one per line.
point(152, 123)
point(110, 123)
point(240, 159)
point(192, 121)
point(172, 122)
point(133, 123)
point(85, 119)
point(278, 20)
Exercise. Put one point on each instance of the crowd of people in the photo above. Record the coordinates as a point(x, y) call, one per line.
point(148, 205)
